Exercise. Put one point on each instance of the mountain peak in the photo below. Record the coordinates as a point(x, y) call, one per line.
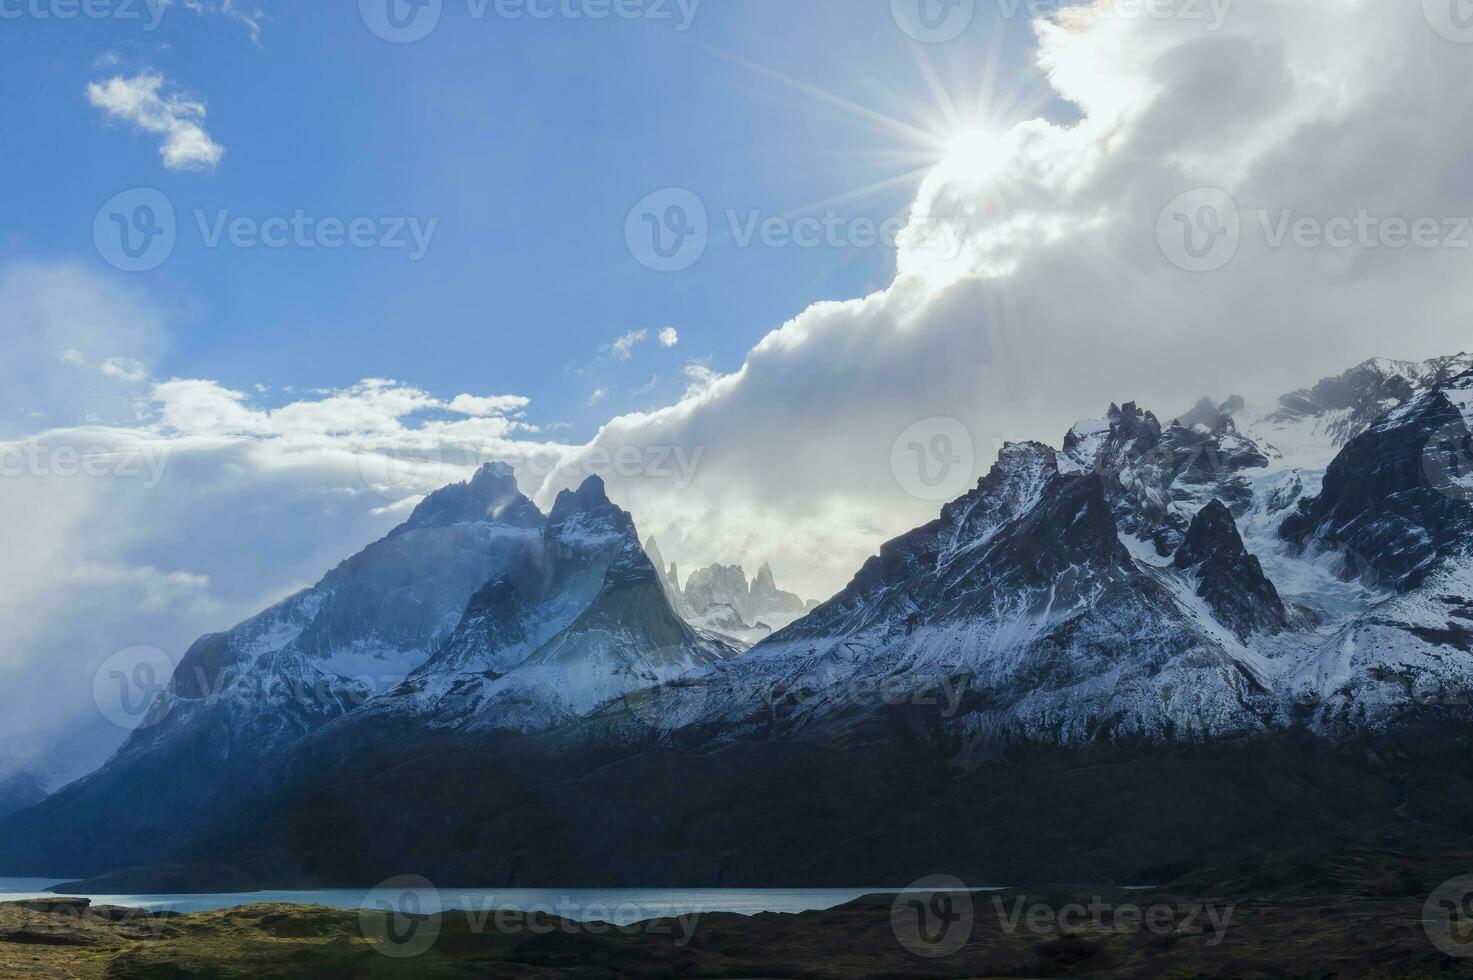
point(490, 496)
point(590, 496)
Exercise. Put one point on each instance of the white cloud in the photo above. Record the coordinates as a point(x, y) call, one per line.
point(485, 407)
point(623, 348)
point(144, 102)
point(245, 13)
point(669, 337)
point(599, 394)
point(1059, 299)
point(60, 314)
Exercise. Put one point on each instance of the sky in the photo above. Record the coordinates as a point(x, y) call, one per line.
point(785, 275)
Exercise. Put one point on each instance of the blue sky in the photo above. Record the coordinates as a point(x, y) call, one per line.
point(802, 377)
point(528, 141)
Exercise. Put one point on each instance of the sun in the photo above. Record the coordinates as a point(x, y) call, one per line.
point(973, 152)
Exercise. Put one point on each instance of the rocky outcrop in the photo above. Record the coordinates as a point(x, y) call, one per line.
point(1229, 579)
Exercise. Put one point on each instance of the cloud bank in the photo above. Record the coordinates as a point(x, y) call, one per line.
point(1066, 291)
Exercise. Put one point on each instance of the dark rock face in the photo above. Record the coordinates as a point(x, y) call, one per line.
point(1379, 504)
point(1230, 579)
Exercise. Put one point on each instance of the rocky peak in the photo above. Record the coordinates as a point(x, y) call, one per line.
point(590, 498)
point(1392, 501)
point(490, 496)
point(1352, 401)
point(1230, 579)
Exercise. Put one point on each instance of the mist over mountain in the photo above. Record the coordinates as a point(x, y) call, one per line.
point(1239, 585)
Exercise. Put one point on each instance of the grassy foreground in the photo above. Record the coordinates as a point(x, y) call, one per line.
point(1364, 914)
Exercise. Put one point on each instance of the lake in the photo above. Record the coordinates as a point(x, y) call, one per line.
point(617, 906)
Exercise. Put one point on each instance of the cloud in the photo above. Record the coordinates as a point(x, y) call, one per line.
point(669, 337)
point(126, 537)
point(143, 102)
point(486, 407)
point(1060, 297)
point(623, 348)
point(245, 13)
point(599, 394)
point(72, 341)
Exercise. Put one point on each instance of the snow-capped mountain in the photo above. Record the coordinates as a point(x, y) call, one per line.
point(21, 786)
point(720, 599)
point(1162, 582)
point(1232, 580)
point(582, 619)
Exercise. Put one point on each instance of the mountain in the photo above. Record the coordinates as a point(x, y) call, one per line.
point(719, 598)
point(1233, 631)
point(583, 620)
point(477, 613)
point(20, 787)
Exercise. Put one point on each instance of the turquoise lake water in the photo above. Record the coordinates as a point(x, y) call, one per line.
point(618, 906)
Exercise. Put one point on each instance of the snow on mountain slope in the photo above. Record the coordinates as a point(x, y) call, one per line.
point(582, 620)
point(1337, 597)
point(327, 650)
